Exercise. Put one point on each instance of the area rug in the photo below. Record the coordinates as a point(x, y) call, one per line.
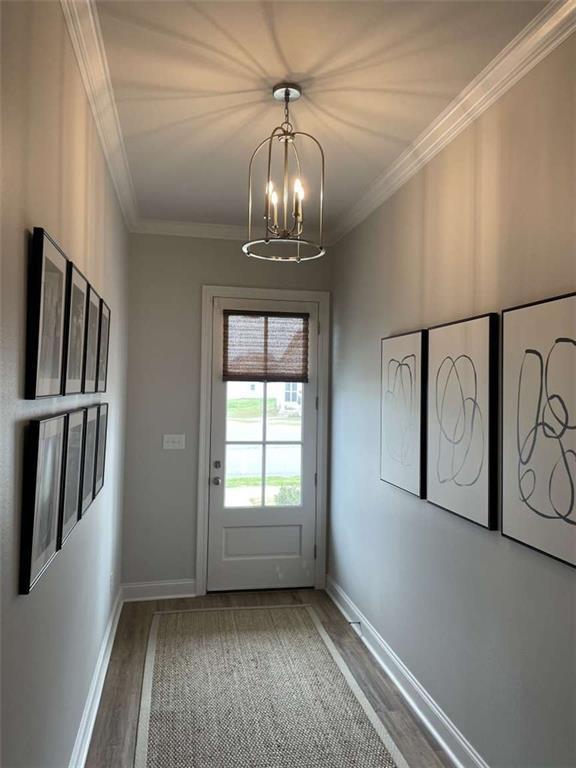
point(261, 687)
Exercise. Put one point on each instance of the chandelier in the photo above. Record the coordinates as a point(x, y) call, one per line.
point(285, 233)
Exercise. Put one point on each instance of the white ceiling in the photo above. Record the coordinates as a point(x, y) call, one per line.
point(192, 85)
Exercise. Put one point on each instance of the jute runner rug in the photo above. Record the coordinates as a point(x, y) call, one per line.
point(257, 687)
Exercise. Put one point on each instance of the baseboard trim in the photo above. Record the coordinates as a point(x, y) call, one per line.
point(158, 590)
point(82, 743)
point(420, 701)
point(151, 590)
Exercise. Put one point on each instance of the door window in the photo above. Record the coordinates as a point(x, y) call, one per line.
point(263, 444)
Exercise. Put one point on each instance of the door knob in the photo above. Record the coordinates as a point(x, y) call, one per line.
point(216, 481)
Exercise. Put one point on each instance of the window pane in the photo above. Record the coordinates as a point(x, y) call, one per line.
point(244, 407)
point(243, 485)
point(283, 475)
point(284, 411)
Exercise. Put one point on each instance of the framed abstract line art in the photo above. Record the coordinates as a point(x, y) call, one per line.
point(89, 457)
point(403, 411)
point(103, 347)
point(91, 343)
point(72, 473)
point(76, 310)
point(41, 499)
point(539, 426)
point(47, 272)
point(101, 447)
point(463, 418)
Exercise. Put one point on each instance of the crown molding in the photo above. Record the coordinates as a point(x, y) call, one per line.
point(190, 229)
point(546, 31)
point(84, 29)
point(198, 229)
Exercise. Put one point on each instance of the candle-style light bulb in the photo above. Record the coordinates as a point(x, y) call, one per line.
point(274, 200)
point(298, 198)
point(268, 192)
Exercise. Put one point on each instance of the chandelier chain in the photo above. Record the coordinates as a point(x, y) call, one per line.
point(286, 125)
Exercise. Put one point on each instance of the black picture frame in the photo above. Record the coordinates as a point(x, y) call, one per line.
point(89, 458)
point(47, 280)
point(507, 353)
point(103, 347)
point(75, 330)
point(90, 372)
point(421, 388)
point(490, 521)
point(101, 448)
point(41, 500)
point(72, 473)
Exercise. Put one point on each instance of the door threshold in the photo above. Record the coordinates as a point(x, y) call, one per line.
point(259, 589)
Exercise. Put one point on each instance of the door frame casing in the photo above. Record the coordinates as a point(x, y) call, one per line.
point(322, 298)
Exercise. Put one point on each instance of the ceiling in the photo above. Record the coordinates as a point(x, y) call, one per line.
point(192, 86)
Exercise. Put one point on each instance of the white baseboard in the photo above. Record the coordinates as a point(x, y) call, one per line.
point(426, 709)
point(158, 590)
point(80, 751)
point(142, 591)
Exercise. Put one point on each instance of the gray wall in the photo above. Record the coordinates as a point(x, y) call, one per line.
point(166, 275)
point(486, 625)
point(54, 175)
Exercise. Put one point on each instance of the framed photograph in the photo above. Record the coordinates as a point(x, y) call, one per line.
point(101, 447)
point(103, 346)
point(403, 411)
point(72, 473)
point(539, 426)
point(89, 458)
point(91, 343)
point(47, 272)
point(41, 499)
point(76, 311)
point(463, 418)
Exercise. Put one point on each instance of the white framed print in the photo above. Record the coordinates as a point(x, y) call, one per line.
point(403, 411)
point(462, 451)
point(539, 426)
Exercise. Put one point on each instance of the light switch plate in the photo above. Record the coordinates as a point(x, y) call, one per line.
point(174, 442)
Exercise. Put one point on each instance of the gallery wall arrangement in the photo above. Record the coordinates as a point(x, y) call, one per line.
point(67, 344)
point(440, 392)
point(68, 325)
point(65, 462)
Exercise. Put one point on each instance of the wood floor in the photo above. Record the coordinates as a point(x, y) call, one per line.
point(114, 736)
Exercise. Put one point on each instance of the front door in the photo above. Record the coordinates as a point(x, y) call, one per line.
point(262, 514)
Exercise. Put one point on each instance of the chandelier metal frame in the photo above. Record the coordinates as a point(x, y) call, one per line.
point(289, 230)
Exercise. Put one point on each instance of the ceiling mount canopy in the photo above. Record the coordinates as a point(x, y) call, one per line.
point(294, 91)
point(278, 192)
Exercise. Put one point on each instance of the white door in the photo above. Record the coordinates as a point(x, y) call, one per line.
point(262, 511)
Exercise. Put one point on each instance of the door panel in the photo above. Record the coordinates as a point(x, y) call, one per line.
point(262, 516)
point(262, 541)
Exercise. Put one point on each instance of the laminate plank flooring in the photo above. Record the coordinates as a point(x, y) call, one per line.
point(114, 736)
